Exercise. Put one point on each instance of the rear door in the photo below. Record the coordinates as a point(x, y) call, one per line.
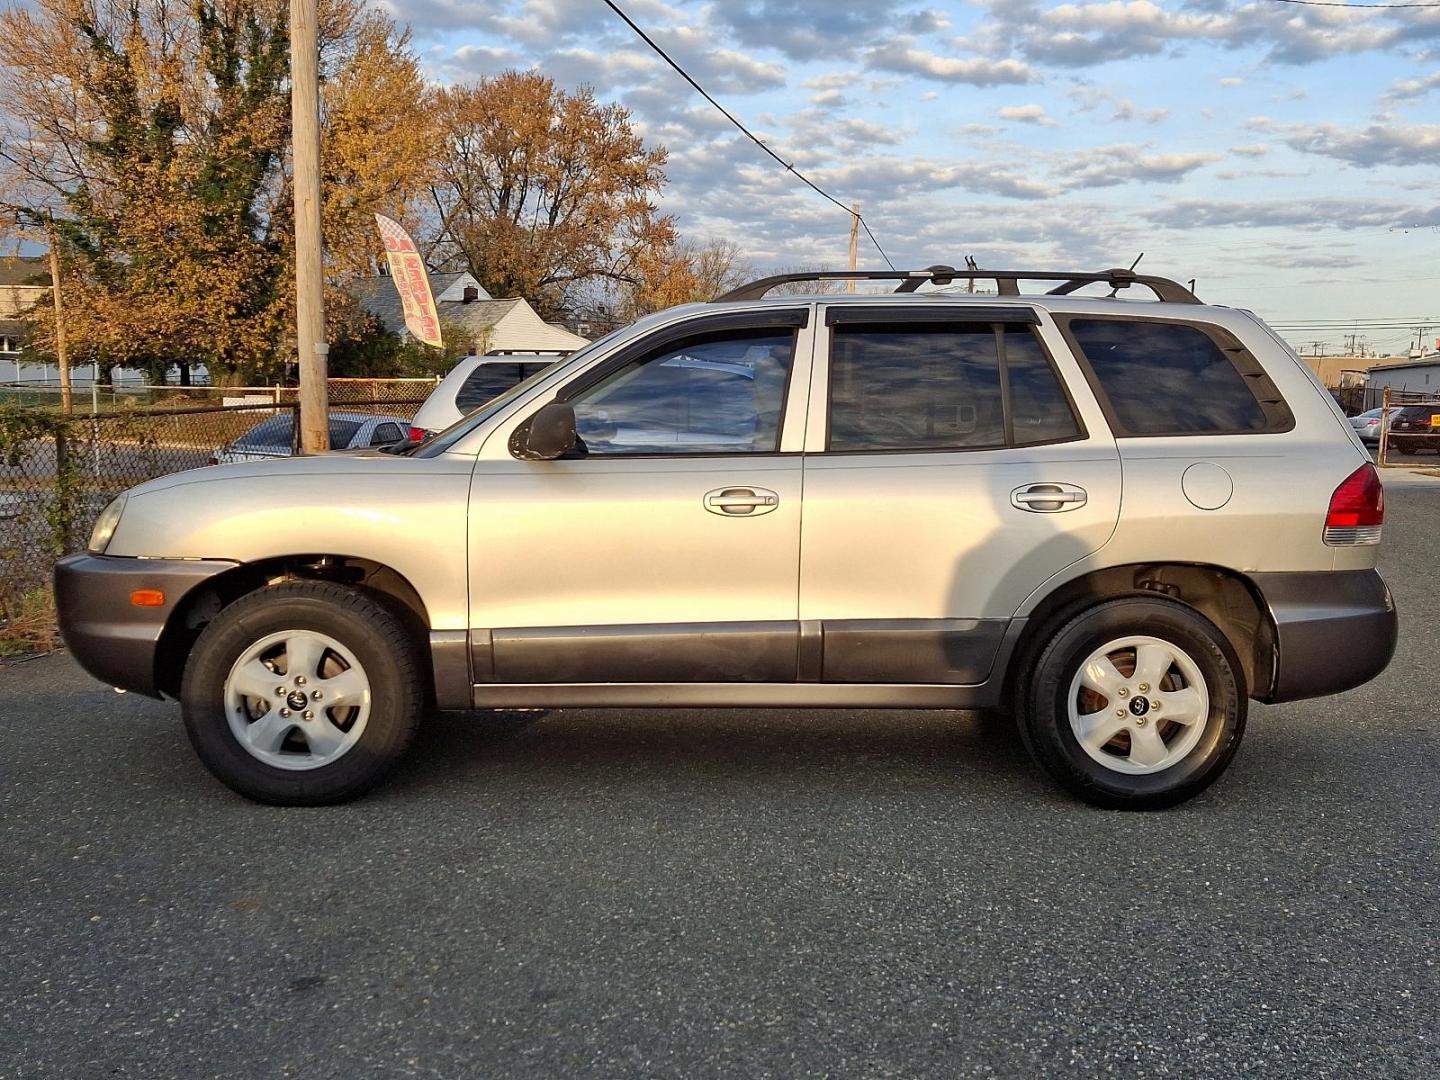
point(948, 473)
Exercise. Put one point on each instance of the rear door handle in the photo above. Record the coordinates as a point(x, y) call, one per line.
point(1048, 498)
point(740, 501)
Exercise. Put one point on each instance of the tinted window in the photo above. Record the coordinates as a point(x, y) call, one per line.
point(341, 432)
point(1166, 378)
point(899, 387)
point(280, 431)
point(277, 431)
point(1039, 409)
point(713, 395)
point(489, 381)
point(386, 433)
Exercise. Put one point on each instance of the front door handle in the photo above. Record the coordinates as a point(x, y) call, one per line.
point(740, 501)
point(1048, 498)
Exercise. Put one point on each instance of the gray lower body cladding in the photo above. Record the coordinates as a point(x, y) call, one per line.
point(110, 637)
point(1333, 631)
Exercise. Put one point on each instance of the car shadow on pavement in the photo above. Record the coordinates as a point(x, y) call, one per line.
point(639, 746)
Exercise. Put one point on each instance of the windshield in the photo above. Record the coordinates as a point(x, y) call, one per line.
point(438, 444)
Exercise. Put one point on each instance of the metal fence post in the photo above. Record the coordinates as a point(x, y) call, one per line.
point(63, 521)
point(1384, 424)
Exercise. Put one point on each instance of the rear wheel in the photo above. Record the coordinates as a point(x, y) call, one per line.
point(302, 693)
point(1134, 704)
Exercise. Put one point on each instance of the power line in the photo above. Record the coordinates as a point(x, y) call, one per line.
point(746, 131)
point(1371, 7)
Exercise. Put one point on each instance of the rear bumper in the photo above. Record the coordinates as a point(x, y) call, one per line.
point(1333, 631)
point(111, 638)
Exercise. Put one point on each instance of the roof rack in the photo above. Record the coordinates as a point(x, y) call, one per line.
point(1006, 281)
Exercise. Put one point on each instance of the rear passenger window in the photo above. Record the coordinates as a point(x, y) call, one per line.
point(1040, 410)
point(1161, 378)
point(920, 386)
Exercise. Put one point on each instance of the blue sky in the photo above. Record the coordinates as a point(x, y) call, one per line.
point(1285, 156)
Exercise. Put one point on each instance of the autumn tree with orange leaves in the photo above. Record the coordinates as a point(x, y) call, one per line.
point(157, 134)
point(549, 194)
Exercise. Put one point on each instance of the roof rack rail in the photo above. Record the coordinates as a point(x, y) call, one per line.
point(1006, 281)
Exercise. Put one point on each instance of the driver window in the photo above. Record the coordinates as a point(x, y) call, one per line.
point(718, 394)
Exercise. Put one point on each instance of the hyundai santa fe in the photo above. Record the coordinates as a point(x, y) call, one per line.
point(1119, 519)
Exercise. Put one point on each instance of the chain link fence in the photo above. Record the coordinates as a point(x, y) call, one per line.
point(103, 397)
point(58, 472)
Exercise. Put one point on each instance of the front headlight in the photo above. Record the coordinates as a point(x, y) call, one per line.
point(105, 525)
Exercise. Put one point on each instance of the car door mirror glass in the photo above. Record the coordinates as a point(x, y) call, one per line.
point(550, 434)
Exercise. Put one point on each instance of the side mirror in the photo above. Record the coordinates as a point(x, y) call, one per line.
point(549, 434)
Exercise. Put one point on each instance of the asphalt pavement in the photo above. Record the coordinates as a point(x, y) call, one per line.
point(729, 894)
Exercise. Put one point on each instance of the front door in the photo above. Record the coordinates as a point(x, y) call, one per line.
point(667, 547)
point(948, 475)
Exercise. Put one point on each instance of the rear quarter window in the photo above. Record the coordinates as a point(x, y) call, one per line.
point(489, 381)
point(1171, 378)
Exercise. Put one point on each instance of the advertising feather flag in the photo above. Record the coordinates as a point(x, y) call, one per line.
point(407, 270)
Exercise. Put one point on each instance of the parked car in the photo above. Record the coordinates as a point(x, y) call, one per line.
point(1414, 428)
point(472, 382)
point(274, 437)
point(1119, 520)
point(1367, 424)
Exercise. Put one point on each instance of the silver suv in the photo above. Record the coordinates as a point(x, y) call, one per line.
point(1119, 519)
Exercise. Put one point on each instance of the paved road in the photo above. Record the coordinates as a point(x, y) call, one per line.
point(610, 894)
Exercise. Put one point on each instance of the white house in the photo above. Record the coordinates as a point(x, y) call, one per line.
point(464, 307)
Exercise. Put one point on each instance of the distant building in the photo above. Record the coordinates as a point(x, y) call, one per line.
point(1333, 371)
point(1416, 374)
point(484, 323)
point(24, 283)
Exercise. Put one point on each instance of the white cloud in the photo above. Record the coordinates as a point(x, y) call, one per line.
point(1403, 89)
point(1088, 98)
point(1087, 34)
point(1123, 163)
point(1377, 144)
point(902, 57)
point(1027, 114)
point(1310, 214)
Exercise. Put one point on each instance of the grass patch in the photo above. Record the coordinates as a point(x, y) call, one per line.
point(30, 627)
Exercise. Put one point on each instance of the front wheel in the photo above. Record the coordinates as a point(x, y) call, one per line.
point(1134, 704)
point(302, 693)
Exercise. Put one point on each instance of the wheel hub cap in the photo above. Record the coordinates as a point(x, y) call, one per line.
point(1138, 705)
point(297, 699)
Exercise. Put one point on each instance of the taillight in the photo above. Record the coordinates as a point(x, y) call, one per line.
point(419, 434)
point(1357, 509)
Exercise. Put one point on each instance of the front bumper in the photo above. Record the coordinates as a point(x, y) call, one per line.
point(1333, 631)
point(112, 639)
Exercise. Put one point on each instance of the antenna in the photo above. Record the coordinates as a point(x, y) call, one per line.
point(1115, 290)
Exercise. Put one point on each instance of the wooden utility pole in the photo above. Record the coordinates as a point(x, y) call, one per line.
point(67, 399)
point(854, 242)
point(310, 341)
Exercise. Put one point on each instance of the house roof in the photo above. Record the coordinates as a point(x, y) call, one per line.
point(379, 296)
point(524, 330)
point(1433, 360)
point(25, 270)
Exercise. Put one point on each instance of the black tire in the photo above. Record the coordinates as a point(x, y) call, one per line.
point(363, 625)
point(1042, 703)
